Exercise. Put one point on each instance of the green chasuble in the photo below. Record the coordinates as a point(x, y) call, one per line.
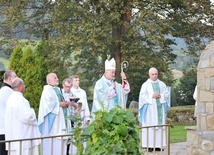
point(61, 99)
point(156, 89)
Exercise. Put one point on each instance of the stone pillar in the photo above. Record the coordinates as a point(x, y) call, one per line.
point(203, 143)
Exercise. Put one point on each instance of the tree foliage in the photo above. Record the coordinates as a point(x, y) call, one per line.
point(31, 67)
point(182, 93)
point(136, 31)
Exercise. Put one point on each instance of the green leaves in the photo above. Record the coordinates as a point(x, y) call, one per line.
point(113, 132)
point(88, 131)
point(80, 134)
point(117, 119)
point(29, 66)
point(123, 130)
point(109, 118)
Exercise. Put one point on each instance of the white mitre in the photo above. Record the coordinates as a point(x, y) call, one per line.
point(109, 65)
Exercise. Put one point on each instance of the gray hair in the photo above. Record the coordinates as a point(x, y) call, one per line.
point(16, 82)
point(8, 74)
point(48, 77)
point(67, 80)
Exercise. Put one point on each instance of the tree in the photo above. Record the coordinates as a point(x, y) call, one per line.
point(15, 59)
point(127, 30)
point(31, 68)
point(183, 92)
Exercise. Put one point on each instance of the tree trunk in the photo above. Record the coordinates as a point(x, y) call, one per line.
point(118, 31)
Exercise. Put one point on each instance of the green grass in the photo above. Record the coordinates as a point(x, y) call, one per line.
point(179, 133)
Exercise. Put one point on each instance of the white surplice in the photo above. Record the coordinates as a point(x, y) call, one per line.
point(20, 123)
point(107, 98)
point(51, 121)
point(5, 92)
point(85, 113)
point(148, 114)
point(81, 94)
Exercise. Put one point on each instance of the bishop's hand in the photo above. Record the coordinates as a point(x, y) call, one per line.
point(123, 75)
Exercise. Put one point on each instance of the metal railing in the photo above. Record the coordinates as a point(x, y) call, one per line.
point(152, 130)
point(163, 128)
point(40, 147)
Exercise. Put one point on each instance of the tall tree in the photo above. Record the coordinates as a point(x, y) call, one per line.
point(136, 31)
point(183, 91)
point(29, 66)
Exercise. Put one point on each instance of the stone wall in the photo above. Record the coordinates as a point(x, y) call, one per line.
point(203, 143)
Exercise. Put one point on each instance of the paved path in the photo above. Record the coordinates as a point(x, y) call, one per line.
point(179, 148)
point(175, 149)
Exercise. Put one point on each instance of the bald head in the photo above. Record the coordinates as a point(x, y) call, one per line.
point(18, 85)
point(153, 74)
point(52, 79)
point(9, 76)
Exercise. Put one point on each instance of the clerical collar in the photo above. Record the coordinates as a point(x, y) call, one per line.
point(156, 81)
point(5, 84)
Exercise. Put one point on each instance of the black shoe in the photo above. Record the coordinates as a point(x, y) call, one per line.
point(150, 149)
point(158, 149)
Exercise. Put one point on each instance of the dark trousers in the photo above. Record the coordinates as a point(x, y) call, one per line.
point(68, 146)
point(2, 146)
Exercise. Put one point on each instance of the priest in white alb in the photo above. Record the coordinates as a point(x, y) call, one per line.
point(153, 108)
point(20, 122)
point(107, 92)
point(53, 110)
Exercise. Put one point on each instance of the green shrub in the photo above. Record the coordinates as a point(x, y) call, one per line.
point(113, 132)
point(29, 66)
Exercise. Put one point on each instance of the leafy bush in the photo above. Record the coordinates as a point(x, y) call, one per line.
point(181, 110)
point(77, 139)
point(113, 132)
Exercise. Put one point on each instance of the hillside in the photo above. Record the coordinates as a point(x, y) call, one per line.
point(182, 62)
point(177, 73)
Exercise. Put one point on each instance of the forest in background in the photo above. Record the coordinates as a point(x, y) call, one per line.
point(76, 37)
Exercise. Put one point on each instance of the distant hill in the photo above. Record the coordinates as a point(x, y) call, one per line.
point(181, 63)
point(183, 60)
point(177, 73)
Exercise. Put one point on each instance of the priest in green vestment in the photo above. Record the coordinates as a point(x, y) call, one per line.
point(153, 99)
point(52, 116)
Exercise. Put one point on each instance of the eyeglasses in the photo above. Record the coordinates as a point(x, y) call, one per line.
point(67, 86)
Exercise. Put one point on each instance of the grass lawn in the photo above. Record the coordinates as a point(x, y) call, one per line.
point(179, 133)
